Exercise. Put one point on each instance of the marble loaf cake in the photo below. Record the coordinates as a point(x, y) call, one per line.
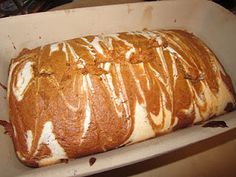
point(96, 93)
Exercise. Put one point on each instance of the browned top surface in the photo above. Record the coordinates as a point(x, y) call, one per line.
point(96, 93)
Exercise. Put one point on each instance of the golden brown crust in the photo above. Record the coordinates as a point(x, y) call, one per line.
point(96, 93)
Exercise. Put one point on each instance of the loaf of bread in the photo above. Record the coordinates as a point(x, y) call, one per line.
point(96, 93)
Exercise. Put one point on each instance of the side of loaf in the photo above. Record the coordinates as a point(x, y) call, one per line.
point(96, 93)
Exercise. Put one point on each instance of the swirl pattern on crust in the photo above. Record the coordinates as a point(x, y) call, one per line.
point(96, 93)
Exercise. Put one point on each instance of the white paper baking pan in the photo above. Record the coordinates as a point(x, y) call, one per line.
point(212, 23)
